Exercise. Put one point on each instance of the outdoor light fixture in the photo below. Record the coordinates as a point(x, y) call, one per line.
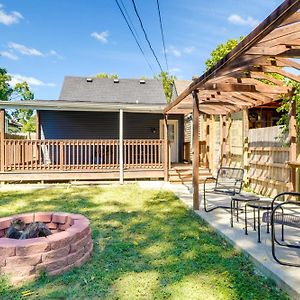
point(153, 129)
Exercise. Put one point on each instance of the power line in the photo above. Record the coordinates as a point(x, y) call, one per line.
point(162, 34)
point(134, 36)
point(146, 36)
point(130, 21)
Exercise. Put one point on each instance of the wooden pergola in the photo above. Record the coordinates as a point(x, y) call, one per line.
point(244, 79)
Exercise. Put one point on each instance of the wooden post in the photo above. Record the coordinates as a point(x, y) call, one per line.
point(166, 149)
point(121, 146)
point(246, 144)
point(195, 151)
point(223, 122)
point(2, 138)
point(293, 144)
point(212, 143)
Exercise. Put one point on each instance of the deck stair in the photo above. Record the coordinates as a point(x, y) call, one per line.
point(183, 173)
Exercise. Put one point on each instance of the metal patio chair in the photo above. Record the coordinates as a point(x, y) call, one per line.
point(286, 214)
point(229, 182)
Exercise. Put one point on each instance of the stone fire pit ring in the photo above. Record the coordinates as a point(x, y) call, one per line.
point(70, 245)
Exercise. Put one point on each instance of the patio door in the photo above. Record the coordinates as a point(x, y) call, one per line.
point(172, 137)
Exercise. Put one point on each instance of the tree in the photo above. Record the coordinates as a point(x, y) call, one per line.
point(285, 108)
point(168, 81)
point(20, 91)
point(105, 75)
point(221, 51)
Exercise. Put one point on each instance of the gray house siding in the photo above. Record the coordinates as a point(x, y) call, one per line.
point(104, 125)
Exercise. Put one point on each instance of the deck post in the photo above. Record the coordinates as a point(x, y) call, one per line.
point(121, 146)
point(293, 143)
point(2, 138)
point(166, 149)
point(195, 151)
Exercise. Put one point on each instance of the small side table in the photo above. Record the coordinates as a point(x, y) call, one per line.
point(257, 205)
point(234, 205)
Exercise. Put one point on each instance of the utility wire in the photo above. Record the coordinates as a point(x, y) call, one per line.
point(130, 21)
point(146, 36)
point(134, 36)
point(162, 34)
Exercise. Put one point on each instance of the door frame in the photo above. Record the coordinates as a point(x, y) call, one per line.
point(176, 137)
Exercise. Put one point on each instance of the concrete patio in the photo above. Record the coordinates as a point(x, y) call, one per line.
point(286, 278)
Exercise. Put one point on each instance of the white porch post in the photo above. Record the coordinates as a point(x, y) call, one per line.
point(121, 146)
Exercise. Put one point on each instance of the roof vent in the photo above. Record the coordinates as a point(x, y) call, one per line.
point(116, 80)
point(89, 79)
point(142, 81)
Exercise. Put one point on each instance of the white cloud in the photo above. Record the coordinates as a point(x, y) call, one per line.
point(24, 50)
point(178, 52)
point(175, 70)
point(101, 36)
point(9, 55)
point(9, 18)
point(238, 20)
point(17, 78)
point(173, 50)
point(189, 50)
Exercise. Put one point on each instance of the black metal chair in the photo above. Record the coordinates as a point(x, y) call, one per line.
point(286, 213)
point(229, 182)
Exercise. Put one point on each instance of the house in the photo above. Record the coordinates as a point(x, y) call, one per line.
point(99, 128)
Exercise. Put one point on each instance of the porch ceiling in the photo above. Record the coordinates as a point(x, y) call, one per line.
point(81, 106)
point(243, 79)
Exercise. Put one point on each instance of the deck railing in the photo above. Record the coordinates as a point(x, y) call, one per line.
point(68, 155)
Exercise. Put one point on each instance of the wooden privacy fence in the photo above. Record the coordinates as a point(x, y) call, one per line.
point(268, 173)
point(66, 155)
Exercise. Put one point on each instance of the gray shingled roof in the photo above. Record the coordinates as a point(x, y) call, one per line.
point(104, 90)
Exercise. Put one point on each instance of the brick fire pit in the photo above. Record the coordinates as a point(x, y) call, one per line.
point(69, 246)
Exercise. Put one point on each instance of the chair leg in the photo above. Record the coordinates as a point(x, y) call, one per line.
point(254, 220)
point(258, 224)
point(246, 222)
point(231, 212)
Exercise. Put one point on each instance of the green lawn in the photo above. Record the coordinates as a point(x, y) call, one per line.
point(147, 245)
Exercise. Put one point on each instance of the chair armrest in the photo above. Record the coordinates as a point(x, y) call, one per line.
point(210, 178)
point(206, 179)
point(283, 194)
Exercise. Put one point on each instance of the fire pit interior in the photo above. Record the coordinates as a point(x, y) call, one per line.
point(67, 244)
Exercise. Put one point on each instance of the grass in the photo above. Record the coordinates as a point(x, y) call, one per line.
point(147, 245)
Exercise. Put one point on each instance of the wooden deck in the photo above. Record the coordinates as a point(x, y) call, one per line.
point(63, 160)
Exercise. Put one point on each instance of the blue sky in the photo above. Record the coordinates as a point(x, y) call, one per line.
point(42, 41)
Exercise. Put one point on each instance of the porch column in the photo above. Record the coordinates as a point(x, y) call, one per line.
point(37, 125)
point(293, 144)
point(166, 149)
point(195, 151)
point(2, 138)
point(121, 147)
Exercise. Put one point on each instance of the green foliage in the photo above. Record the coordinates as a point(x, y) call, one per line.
point(147, 245)
point(20, 91)
point(168, 81)
point(221, 51)
point(285, 108)
point(105, 75)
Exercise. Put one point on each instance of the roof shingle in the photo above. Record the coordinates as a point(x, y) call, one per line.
point(104, 90)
